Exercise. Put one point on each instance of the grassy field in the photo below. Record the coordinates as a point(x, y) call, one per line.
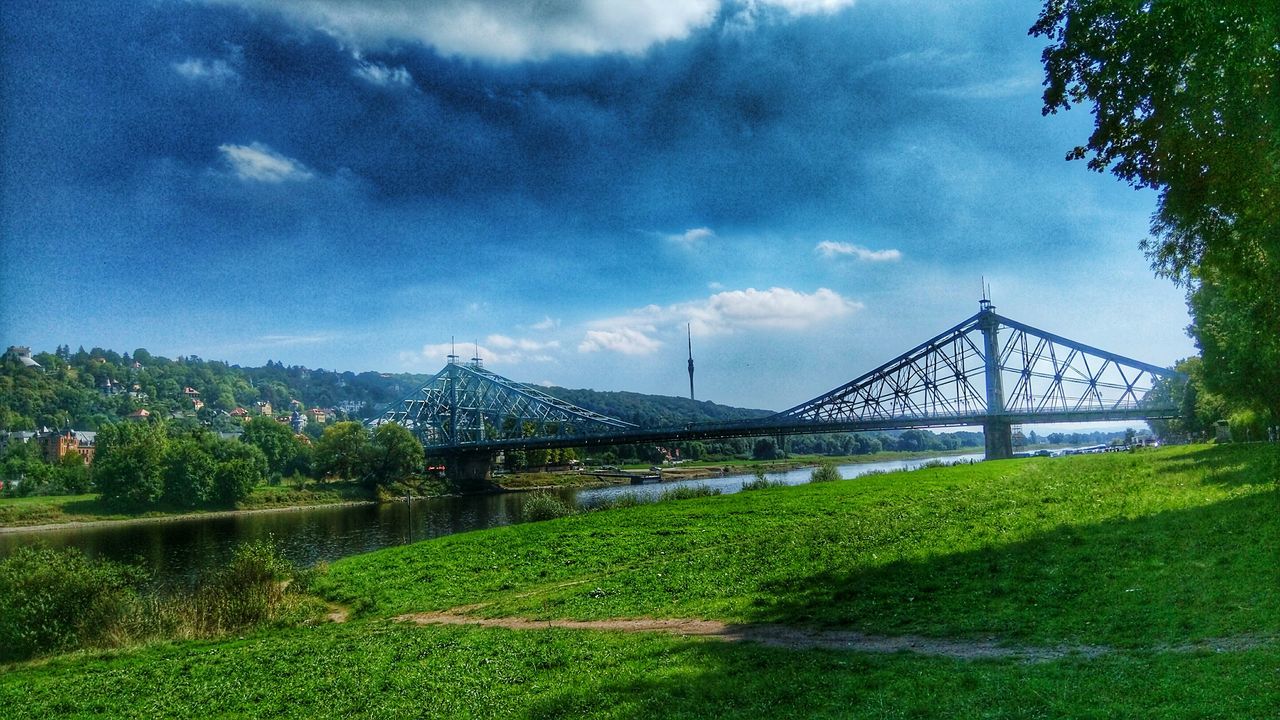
point(59, 509)
point(1154, 579)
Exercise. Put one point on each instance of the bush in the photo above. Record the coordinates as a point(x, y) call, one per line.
point(826, 472)
point(59, 599)
point(249, 591)
point(688, 492)
point(544, 506)
point(761, 483)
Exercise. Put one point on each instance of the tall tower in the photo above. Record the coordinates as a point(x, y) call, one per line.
point(689, 329)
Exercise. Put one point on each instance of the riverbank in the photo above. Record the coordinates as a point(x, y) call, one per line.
point(33, 514)
point(702, 469)
point(1119, 585)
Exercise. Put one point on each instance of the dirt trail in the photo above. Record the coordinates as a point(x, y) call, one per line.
point(780, 636)
point(794, 638)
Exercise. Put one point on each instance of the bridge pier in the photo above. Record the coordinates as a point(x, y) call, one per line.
point(470, 472)
point(999, 439)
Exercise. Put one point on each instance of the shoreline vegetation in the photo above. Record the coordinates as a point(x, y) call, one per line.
point(1116, 585)
point(52, 512)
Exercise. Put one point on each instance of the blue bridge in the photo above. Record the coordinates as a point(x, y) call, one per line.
point(987, 371)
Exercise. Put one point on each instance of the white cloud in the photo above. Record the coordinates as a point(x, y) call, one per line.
point(724, 312)
point(546, 323)
point(831, 249)
point(382, 75)
point(625, 340)
point(691, 237)
point(516, 30)
point(262, 164)
point(497, 349)
point(214, 72)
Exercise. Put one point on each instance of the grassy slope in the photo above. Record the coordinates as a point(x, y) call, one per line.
point(1139, 552)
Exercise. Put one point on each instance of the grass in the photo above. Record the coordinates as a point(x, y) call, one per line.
point(60, 509)
point(1144, 553)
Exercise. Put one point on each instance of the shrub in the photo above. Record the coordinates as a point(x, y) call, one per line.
point(761, 483)
point(60, 599)
point(544, 506)
point(826, 472)
point(249, 591)
point(688, 492)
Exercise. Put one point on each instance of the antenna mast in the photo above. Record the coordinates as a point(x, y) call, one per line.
point(689, 329)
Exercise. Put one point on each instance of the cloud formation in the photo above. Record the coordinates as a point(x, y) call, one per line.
point(516, 30)
point(691, 237)
point(830, 249)
point(497, 349)
point(382, 75)
point(260, 163)
point(724, 312)
point(214, 72)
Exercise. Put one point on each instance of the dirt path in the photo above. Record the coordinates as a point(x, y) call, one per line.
point(794, 638)
point(780, 636)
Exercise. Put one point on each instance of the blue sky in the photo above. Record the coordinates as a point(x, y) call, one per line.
point(813, 185)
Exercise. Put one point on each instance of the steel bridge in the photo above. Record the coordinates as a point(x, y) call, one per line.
point(986, 371)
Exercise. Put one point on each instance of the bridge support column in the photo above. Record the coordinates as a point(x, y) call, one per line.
point(999, 439)
point(471, 472)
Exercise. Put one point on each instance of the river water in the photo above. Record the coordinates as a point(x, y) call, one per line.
point(178, 550)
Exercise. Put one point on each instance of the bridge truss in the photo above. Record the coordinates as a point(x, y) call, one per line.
point(467, 405)
point(988, 370)
point(992, 367)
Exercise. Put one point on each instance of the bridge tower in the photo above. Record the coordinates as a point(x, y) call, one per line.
point(997, 431)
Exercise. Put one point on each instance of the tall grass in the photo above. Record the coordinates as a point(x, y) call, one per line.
point(544, 506)
point(688, 492)
point(826, 472)
point(61, 600)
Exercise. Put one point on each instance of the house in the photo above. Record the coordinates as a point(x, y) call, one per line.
point(297, 421)
point(191, 393)
point(55, 445)
point(198, 403)
point(319, 416)
point(16, 436)
point(109, 387)
point(139, 415)
point(263, 407)
point(23, 353)
point(240, 413)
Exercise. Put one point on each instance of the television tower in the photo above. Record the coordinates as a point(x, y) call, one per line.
point(689, 329)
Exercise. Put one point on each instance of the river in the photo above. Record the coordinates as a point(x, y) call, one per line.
point(178, 550)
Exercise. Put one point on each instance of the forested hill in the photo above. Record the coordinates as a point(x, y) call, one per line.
point(88, 388)
point(653, 410)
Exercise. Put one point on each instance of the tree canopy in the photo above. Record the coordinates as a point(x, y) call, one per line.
point(1186, 100)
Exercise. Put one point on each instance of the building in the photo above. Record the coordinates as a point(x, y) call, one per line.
point(56, 445)
point(23, 353)
point(319, 416)
point(263, 407)
point(139, 415)
point(240, 414)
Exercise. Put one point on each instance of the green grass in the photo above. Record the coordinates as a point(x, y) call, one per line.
point(1144, 553)
point(379, 669)
point(1115, 549)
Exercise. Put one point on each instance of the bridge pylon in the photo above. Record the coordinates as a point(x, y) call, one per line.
point(992, 372)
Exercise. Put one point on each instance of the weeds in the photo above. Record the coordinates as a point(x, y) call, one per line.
point(826, 472)
point(60, 600)
point(688, 492)
point(544, 506)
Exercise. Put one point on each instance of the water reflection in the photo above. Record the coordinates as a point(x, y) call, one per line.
point(178, 550)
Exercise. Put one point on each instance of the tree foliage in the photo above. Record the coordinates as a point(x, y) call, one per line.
point(392, 455)
point(1186, 100)
point(341, 451)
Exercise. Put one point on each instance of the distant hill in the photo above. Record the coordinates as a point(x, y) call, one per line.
point(653, 410)
point(87, 388)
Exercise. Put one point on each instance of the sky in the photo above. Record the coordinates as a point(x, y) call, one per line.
point(808, 187)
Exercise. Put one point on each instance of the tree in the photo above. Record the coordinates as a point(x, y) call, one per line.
point(340, 451)
point(128, 463)
point(234, 480)
point(393, 455)
point(188, 474)
point(285, 454)
point(1185, 101)
point(765, 449)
